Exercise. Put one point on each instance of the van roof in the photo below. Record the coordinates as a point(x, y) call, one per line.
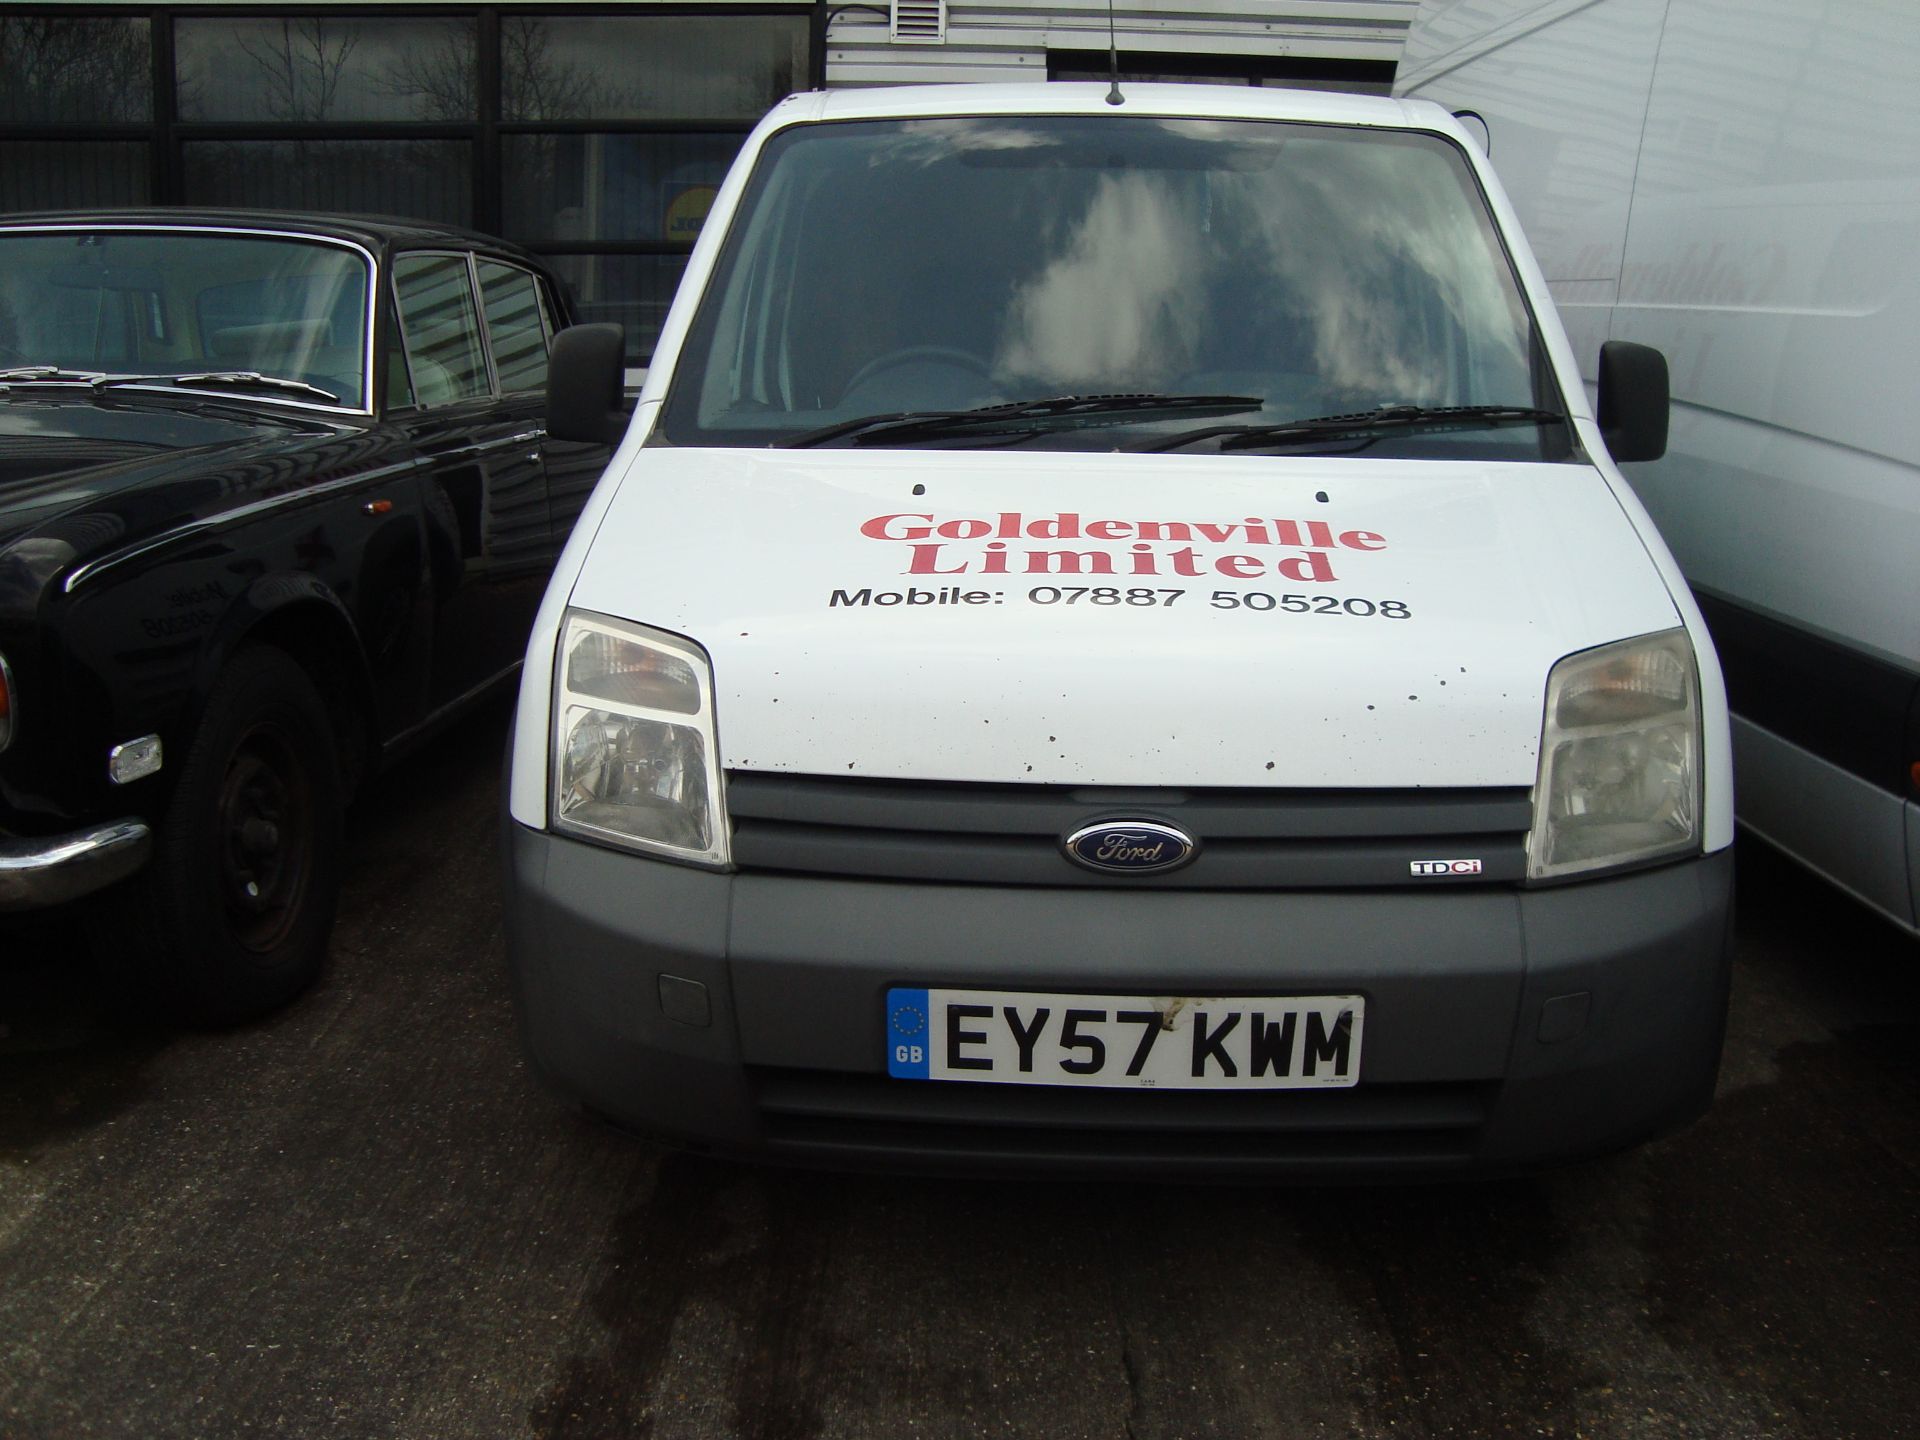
point(1212, 102)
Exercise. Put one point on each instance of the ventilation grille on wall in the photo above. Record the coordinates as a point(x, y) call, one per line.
point(920, 22)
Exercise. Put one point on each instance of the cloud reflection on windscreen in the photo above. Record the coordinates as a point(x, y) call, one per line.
point(1121, 303)
point(1348, 272)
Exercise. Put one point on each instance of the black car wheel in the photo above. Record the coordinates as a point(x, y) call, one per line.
point(231, 919)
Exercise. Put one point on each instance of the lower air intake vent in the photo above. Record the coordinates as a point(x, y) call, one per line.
point(856, 1119)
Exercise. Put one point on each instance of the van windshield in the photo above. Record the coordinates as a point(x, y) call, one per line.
point(902, 267)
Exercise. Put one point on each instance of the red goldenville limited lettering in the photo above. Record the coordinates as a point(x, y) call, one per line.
point(989, 546)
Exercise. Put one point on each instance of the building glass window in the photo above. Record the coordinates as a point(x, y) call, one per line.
point(73, 174)
point(613, 187)
point(62, 70)
point(618, 132)
point(63, 80)
point(597, 140)
point(325, 69)
point(424, 179)
point(630, 290)
point(649, 67)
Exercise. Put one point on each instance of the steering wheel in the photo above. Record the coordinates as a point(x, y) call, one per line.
point(907, 355)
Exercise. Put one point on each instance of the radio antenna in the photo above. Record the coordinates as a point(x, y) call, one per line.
point(1114, 97)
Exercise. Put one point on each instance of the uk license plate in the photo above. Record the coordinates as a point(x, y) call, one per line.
point(1240, 1042)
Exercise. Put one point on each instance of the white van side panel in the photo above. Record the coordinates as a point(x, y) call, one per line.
point(1792, 525)
point(1776, 213)
point(1772, 256)
point(1856, 835)
point(1564, 140)
point(1737, 183)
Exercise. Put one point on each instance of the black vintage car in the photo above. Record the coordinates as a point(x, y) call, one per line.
point(276, 499)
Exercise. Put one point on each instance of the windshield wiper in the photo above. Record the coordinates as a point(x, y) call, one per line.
point(49, 372)
point(1364, 422)
point(929, 424)
point(219, 379)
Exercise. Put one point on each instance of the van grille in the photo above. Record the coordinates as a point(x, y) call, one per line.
point(949, 832)
point(845, 1118)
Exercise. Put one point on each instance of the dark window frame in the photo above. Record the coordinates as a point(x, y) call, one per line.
point(1374, 77)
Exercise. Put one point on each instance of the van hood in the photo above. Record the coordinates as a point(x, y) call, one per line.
point(1245, 621)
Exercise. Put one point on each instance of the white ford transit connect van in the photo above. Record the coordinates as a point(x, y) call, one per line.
point(1113, 642)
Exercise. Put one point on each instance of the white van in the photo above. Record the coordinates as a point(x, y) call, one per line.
point(1112, 641)
point(1739, 185)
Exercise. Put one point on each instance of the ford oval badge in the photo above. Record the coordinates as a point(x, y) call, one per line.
point(1130, 847)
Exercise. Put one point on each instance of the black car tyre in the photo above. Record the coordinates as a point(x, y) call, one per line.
point(231, 919)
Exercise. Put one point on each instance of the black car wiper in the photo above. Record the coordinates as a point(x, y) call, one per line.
point(220, 380)
point(49, 372)
point(928, 424)
point(1363, 422)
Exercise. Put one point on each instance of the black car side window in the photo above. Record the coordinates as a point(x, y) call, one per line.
point(441, 328)
point(516, 324)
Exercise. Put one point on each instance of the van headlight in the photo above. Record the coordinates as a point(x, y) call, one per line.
point(635, 762)
point(1619, 759)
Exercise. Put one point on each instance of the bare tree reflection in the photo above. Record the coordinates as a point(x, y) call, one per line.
point(535, 83)
point(301, 71)
point(439, 80)
point(62, 68)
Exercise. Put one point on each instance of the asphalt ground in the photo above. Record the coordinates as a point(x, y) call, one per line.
point(364, 1217)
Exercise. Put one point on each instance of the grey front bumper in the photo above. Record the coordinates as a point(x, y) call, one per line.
point(1505, 1028)
point(53, 869)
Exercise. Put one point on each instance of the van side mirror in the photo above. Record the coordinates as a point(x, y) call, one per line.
point(1634, 400)
point(585, 372)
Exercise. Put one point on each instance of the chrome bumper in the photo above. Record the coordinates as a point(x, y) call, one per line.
point(53, 869)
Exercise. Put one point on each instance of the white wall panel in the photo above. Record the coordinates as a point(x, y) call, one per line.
point(1010, 39)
